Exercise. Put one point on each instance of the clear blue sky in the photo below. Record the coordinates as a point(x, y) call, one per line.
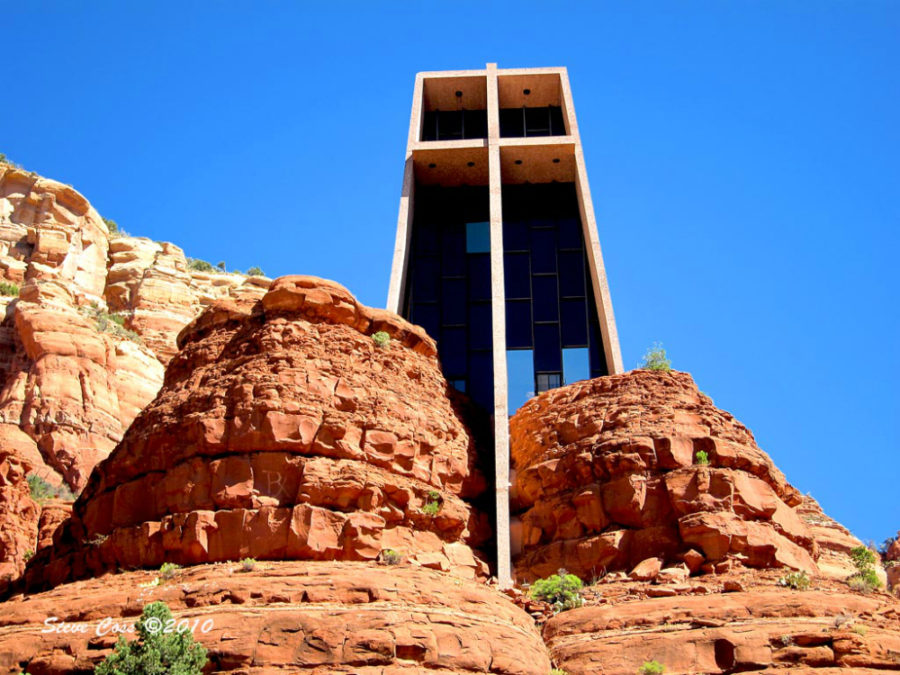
point(744, 159)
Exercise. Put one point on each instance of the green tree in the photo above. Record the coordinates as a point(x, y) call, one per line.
point(255, 272)
point(655, 359)
point(155, 651)
point(560, 590)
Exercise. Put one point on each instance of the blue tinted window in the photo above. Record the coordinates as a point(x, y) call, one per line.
point(547, 381)
point(543, 251)
point(459, 385)
point(453, 301)
point(576, 365)
point(518, 324)
point(480, 335)
point(571, 273)
point(517, 275)
point(547, 350)
point(546, 301)
point(574, 323)
point(515, 235)
point(520, 377)
point(479, 277)
point(478, 237)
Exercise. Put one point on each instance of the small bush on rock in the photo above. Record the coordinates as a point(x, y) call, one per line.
point(200, 265)
point(155, 651)
point(381, 339)
point(799, 581)
point(9, 288)
point(560, 590)
point(432, 503)
point(865, 580)
point(255, 272)
point(248, 564)
point(701, 458)
point(655, 359)
point(41, 490)
point(651, 668)
point(107, 322)
point(168, 571)
point(390, 557)
point(559, 671)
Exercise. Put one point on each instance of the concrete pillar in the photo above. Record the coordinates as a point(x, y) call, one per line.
point(498, 324)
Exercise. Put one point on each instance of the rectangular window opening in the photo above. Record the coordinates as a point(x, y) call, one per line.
point(478, 237)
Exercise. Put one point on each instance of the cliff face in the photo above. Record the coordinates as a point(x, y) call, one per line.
point(72, 379)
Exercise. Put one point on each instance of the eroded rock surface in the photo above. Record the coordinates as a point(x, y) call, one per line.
point(740, 621)
point(316, 618)
point(607, 476)
point(283, 432)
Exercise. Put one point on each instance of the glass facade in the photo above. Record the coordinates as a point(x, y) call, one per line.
point(448, 289)
point(550, 307)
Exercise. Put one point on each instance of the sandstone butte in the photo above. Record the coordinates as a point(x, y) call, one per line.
point(69, 391)
point(284, 433)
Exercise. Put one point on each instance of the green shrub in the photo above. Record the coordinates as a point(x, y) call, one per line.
point(200, 265)
point(109, 322)
point(860, 630)
point(168, 571)
point(255, 272)
point(799, 581)
point(41, 490)
point(248, 564)
point(655, 359)
point(390, 557)
point(701, 458)
point(29, 554)
point(381, 339)
point(560, 590)
point(865, 580)
point(9, 288)
point(221, 265)
point(559, 671)
point(155, 651)
point(433, 503)
point(651, 668)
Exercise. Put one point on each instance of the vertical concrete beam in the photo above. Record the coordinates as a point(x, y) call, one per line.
point(498, 324)
point(397, 286)
point(600, 285)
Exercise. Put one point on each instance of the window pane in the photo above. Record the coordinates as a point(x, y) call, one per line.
point(480, 335)
point(452, 349)
point(481, 377)
point(543, 251)
point(453, 250)
point(458, 384)
point(576, 365)
point(515, 236)
point(574, 323)
point(453, 301)
point(517, 275)
point(546, 300)
point(428, 317)
point(479, 277)
point(425, 279)
point(569, 233)
point(478, 237)
point(518, 324)
point(547, 352)
point(520, 377)
point(429, 132)
point(571, 273)
point(547, 381)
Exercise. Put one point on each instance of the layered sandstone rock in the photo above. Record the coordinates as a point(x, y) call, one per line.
point(151, 284)
point(316, 618)
point(741, 621)
point(606, 477)
point(284, 431)
point(892, 564)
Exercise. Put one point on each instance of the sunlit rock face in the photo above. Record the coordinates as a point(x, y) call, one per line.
point(284, 431)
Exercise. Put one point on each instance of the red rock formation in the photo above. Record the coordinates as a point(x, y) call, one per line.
point(892, 564)
point(19, 516)
point(316, 618)
point(284, 431)
point(606, 477)
point(741, 621)
point(151, 284)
